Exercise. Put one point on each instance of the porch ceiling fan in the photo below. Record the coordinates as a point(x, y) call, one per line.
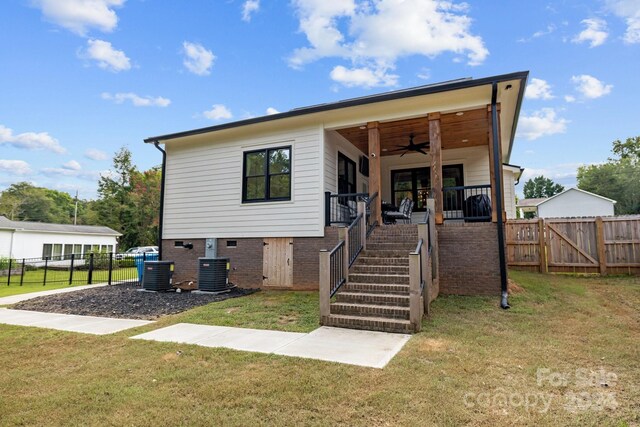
point(418, 148)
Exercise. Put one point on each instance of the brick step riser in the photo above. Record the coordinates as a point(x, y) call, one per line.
point(377, 288)
point(379, 278)
point(361, 261)
point(379, 311)
point(380, 269)
point(369, 325)
point(402, 247)
point(385, 254)
point(375, 299)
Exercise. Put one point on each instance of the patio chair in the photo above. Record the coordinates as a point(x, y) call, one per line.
point(403, 213)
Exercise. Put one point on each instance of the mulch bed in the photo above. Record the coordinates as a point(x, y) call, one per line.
point(124, 301)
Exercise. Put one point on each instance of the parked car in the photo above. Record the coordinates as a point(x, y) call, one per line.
point(137, 250)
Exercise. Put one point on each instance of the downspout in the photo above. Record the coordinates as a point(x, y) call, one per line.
point(504, 302)
point(161, 213)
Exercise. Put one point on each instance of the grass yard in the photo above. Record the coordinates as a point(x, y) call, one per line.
point(33, 280)
point(473, 364)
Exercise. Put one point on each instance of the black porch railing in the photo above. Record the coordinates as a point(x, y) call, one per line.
point(73, 269)
point(372, 213)
point(471, 203)
point(342, 209)
point(354, 232)
point(337, 273)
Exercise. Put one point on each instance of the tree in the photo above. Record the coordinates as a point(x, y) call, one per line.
point(540, 187)
point(115, 206)
point(23, 201)
point(618, 178)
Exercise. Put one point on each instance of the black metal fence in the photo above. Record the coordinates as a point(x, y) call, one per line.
point(73, 269)
point(471, 203)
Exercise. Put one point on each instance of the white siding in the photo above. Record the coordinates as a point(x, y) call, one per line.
point(573, 203)
point(5, 242)
point(334, 143)
point(509, 194)
point(203, 193)
point(28, 244)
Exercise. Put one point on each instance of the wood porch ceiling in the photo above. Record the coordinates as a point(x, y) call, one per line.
point(471, 129)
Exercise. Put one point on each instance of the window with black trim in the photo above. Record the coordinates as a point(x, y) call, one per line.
point(346, 175)
point(416, 184)
point(266, 175)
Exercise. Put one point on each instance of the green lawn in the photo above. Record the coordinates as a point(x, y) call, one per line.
point(473, 364)
point(33, 280)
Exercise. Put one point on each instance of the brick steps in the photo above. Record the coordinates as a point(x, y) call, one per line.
point(382, 324)
point(376, 296)
point(380, 269)
point(373, 298)
point(376, 288)
point(371, 310)
point(365, 259)
point(398, 279)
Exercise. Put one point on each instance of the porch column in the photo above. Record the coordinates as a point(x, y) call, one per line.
point(375, 181)
point(435, 148)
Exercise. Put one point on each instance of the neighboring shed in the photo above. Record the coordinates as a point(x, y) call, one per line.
point(573, 202)
point(23, 239)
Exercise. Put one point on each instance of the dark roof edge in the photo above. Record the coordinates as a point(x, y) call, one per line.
point(370, 99)
point(517, 112)
point(513, 166)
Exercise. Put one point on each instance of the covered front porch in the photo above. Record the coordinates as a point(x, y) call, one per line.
point(451, 157)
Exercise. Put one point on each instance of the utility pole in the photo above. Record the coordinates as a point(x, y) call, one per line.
point(75, 213)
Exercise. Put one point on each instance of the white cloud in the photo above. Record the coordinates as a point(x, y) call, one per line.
point(562, 173)
point(218, 112)
point(541, 123)
point(94, 154)
point(629, 10)
point(198, 59)
point(271, 111)
point(15, 167)
point(550, 29)
point(570, 98)
point(249, 7)
point(107, 57)
point(72, 169)
point(363, 77)
point(590, 87)
point(80, 15)
point(374, 35)
point(136, 100)
point(424, 74)
point(30, 140)
point(72, 165)
point(595, 32)
point(538, 89)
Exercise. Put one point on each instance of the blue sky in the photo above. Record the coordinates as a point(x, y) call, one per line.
point(81, 78)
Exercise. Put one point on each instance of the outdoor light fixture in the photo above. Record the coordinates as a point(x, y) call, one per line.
point(459, 113)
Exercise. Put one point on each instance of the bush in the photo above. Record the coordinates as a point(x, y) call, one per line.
point(4, 263)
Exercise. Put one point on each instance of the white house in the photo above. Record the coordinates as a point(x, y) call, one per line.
point(23, 239)
point(572, 202)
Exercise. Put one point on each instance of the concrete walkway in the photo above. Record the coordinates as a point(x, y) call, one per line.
point(361, 348)
point(68, 322)
point(14, 299)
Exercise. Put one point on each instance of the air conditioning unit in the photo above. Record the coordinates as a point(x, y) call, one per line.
point(156, 275)
point(213, 274)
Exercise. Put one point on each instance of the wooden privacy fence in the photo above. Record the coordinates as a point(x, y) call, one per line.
point(575, 245)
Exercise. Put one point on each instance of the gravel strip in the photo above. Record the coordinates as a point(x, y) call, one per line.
point(124, 301)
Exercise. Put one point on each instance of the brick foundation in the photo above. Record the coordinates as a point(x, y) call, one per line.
point(246, 259)
point(468, 257)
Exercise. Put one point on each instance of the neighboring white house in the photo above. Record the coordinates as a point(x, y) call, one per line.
point(23, 239)
point(573, 202)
